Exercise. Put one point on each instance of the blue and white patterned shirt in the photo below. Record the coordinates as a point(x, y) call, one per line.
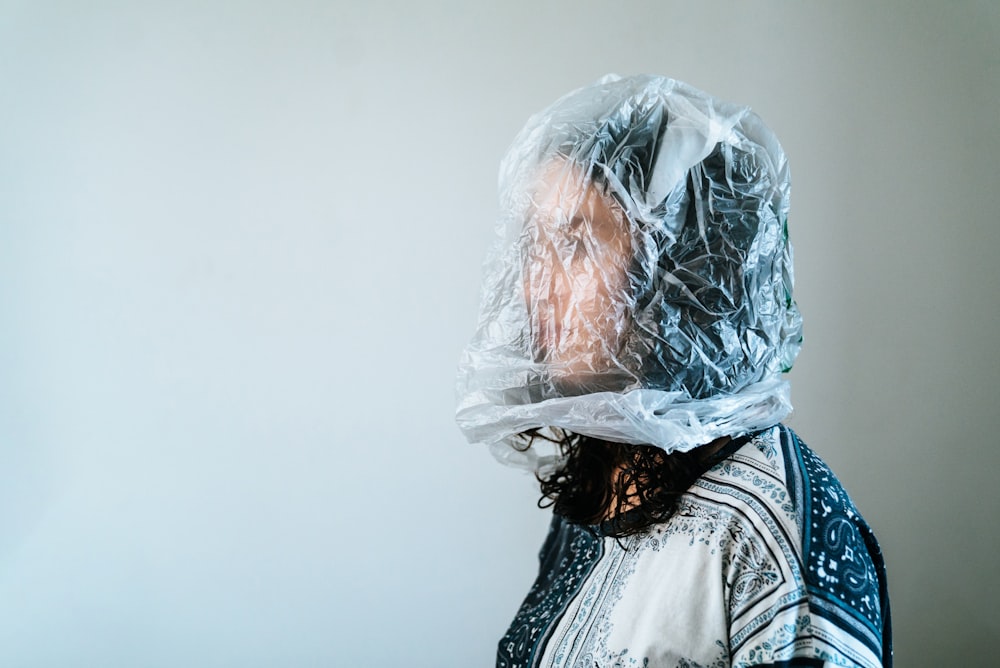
point(766, 562)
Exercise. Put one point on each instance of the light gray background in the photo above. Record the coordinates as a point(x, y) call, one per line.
point(240, 246)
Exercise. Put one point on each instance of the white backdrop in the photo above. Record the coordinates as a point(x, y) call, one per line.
point(239, 255)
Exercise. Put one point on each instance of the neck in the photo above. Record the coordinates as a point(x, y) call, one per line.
point(625, 495)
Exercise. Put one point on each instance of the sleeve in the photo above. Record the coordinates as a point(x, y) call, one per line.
point(818, 598)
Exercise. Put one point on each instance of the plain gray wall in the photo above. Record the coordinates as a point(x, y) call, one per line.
point(240, 246)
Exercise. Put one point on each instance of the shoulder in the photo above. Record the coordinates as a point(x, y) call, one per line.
point(844, 569)
point(825, 595)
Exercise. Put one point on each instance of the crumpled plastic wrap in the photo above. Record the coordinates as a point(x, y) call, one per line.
point(640, 290)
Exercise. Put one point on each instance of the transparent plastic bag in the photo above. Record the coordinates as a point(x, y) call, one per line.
point(640, 289)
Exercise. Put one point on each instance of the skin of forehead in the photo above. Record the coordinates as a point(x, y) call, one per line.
point(562, 187)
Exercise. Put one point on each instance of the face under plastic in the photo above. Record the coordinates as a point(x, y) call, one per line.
point(640, 289)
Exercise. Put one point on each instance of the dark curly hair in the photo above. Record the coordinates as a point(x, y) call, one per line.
point(624, 488)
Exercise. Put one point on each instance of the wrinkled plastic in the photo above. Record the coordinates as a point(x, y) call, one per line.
point(641, 287)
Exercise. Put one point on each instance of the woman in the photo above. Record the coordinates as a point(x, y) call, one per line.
point(636, 319)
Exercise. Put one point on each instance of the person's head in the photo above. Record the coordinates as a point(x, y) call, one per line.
point(641, 291)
